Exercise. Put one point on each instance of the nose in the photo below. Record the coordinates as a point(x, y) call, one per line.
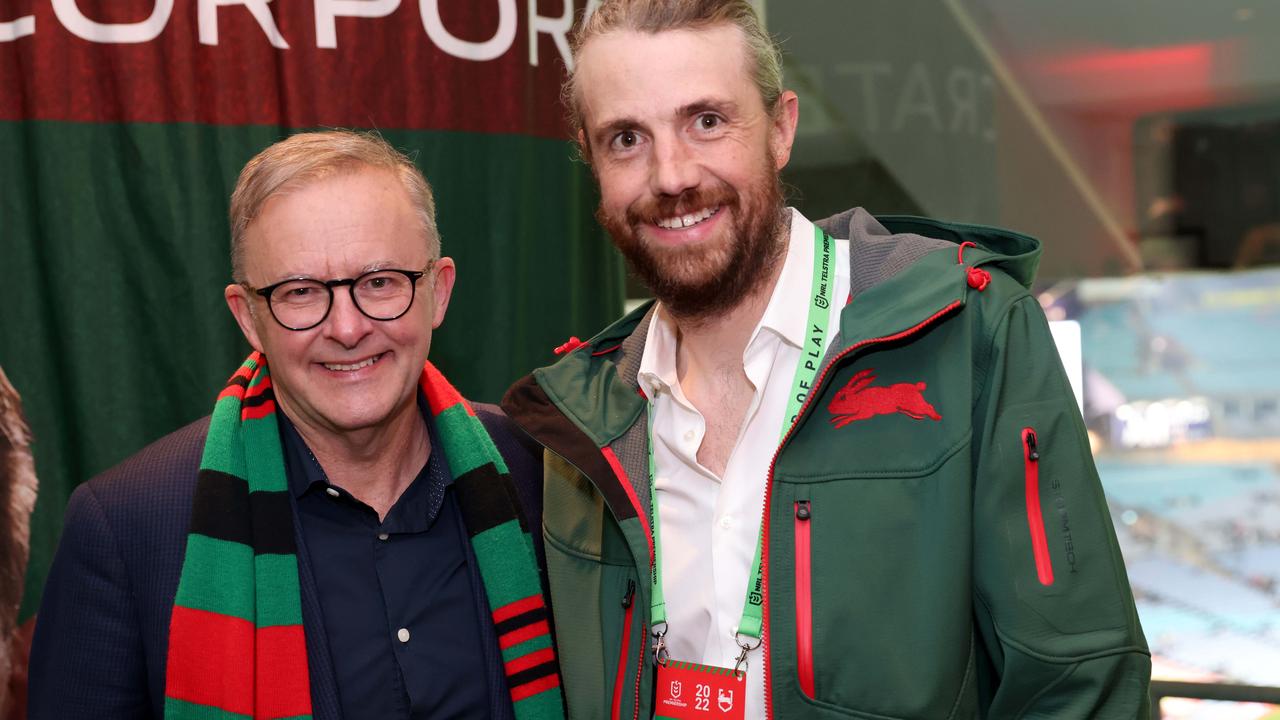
point(673, 167)
point(346, 324)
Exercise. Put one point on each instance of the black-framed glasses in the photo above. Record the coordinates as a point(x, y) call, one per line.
point(303, 303)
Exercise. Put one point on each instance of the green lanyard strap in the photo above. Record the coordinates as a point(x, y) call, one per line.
point(806, 370)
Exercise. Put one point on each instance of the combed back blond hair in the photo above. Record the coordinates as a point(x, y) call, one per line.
point(655, 16)
point(308, 157)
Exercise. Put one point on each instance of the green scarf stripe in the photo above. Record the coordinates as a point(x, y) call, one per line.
point(182, 710)
point(464, 449)
point(213, 586)
point(262, 443)
point(278, 590)
point(245, 573)
point(220, 578)
point(546, 704)
point(222, 452)
point(175, 709)
point(513, 575)
point(533, 645)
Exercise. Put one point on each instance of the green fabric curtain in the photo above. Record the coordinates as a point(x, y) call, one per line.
point(117, 161)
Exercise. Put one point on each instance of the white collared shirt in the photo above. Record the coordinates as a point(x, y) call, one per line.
point(710, 525)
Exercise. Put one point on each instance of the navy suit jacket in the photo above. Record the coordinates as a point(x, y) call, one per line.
point(102, 633)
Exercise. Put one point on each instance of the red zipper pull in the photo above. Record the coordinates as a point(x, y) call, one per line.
point(802, 510)
point(1033, 451)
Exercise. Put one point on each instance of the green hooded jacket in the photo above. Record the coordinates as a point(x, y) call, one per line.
point(936, 540)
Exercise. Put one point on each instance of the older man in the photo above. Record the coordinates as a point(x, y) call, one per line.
point(343, 537)
point(836, 470)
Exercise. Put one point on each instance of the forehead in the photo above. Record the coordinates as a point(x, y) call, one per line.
point(636, 74)
point(335, 225)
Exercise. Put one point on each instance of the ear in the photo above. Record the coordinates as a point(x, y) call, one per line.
point(240, 304)
point(443, 273)
point(584, 150)
point(786, 115)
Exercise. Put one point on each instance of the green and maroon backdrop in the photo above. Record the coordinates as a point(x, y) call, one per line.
point(123, 125)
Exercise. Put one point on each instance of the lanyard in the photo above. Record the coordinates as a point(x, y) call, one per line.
point(806, 371)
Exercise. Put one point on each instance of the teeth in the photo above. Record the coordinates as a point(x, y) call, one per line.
point(355, 366)
point(684, 221)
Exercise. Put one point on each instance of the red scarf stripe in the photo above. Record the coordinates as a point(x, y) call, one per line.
point(524, 662)
point(519, 607)
point(257, 412)
point(283, 682)
point(206, 667)
point(206, 660)
point(528, 632)
point(254, 390)
point(530, 689)
point(440, 394)
point(238, 381)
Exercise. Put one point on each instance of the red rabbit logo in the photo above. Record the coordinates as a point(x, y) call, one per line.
point(860, 400)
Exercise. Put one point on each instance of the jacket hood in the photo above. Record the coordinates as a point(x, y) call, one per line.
point(882, 247)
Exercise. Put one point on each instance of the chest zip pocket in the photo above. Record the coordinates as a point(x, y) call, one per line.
point(804, 595)
point(1035, 517)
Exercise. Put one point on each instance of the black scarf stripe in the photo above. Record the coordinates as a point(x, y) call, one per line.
point(218, 513)
point(486, 501)
point(537, 672)
point(258, 400)
point(519, 621)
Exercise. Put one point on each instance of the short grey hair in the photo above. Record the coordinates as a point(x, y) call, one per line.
point(655, 16)
point(307, 157)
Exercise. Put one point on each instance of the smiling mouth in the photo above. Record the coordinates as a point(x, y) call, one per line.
point(339, 367)
point(683, 221)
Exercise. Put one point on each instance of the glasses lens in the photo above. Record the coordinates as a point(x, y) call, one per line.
point(383, 295)
point(300, 304)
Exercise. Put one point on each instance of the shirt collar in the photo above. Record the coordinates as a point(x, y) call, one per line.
point(785, 316)
point(303, 471)
point(787, 312)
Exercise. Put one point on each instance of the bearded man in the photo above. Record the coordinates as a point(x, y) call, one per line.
point(345, 536)
point(836, 470)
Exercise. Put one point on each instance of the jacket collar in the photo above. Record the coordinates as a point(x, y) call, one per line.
point(904, 270)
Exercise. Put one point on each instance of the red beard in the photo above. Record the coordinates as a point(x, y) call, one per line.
point(698, 282)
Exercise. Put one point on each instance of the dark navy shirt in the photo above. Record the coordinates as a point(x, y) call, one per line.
point(398, 596)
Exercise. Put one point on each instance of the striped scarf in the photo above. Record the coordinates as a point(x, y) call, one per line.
point(236, 646)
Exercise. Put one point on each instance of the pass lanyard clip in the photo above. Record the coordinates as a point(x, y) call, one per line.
point(748, 636)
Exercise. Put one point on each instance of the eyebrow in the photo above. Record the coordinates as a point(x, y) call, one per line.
point(371, 267)
point(698, 107)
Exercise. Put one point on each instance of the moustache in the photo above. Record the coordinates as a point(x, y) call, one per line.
point(651, 210)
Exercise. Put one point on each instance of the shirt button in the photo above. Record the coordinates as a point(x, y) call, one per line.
point(333, 492)
point(403, 634)
point(688, 436)
point(383, 536)
point(726, 522)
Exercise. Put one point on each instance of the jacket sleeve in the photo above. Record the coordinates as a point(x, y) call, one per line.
point(87, 655)
point(1052, 600)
